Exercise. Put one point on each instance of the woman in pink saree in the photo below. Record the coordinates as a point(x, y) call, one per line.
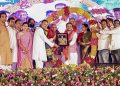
point(25, 48)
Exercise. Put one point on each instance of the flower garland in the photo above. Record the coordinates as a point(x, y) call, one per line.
point(64, 75)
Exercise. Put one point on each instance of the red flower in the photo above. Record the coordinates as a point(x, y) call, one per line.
point(92, 22)
point(89, 60)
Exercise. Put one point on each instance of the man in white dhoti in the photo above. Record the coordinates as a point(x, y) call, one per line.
point(13, 41)
point(39, 50)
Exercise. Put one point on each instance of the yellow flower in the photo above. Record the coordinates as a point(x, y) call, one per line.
point(49, 51)
point(72, 65)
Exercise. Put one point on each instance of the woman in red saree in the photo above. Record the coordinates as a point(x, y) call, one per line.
point(84, 39)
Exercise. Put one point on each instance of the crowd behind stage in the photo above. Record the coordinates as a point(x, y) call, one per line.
point(22, 45)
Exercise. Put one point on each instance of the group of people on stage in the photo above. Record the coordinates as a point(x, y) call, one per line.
point(108, 41)
point(22, 45)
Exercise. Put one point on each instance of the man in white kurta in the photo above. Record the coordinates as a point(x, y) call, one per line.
point(13, 41)
point(73, 50)
point(103, 43)
point(115, 43)
point(39, 50)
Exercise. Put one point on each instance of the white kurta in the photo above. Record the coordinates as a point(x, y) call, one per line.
point(73, 55)
point(103, 40)
point(39, 50)
point(13, 43)
point(115, 42)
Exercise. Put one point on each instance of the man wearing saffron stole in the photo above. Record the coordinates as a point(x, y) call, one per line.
point(5, 52)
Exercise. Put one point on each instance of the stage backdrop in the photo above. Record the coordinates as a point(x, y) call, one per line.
point(39, 9)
